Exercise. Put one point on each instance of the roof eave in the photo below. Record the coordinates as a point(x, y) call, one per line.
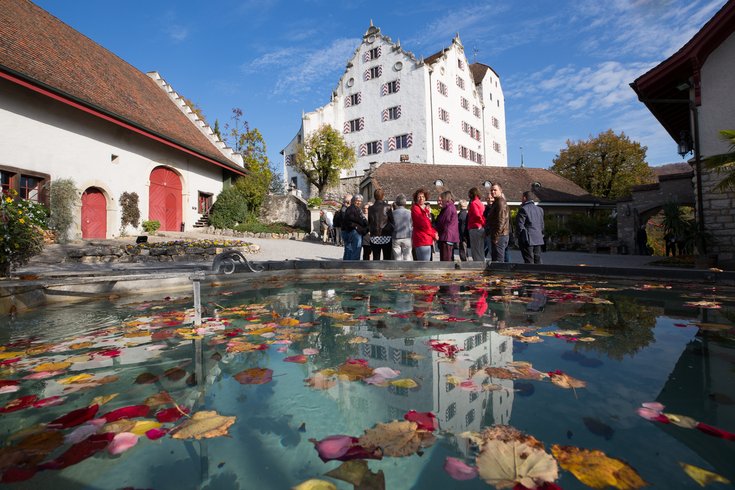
point(60, 96)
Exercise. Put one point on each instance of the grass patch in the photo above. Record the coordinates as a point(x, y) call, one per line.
point(279, 228)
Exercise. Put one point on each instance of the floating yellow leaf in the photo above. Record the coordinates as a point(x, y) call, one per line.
point(404, 383)
point(52, 366)
point(354, 371)
point(143, 426)
point(453, 380)
point(358, 340)
point(11, 355)
point(79, 378)
point(505, 463)
point(288, 322)
point(81, 345)
point(563, 380)
point(315, 484)
point(38, 349)
point(118, 426)
point(101, 400)
point(358, 474)
point(597, 470)
point(204, 425)
point(261, 331)
point(702, 476)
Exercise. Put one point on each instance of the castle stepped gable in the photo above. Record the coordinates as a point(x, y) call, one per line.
point(51, 57)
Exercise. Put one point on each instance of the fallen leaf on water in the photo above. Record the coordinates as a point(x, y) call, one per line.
point(19, 404)
point(102, 399)
point(130, 412)
point(407, 383)
point(254, 376)
point(171, 414)
point(298, 359)
point(122, 442)
point(52, 366)
point(343, 448)
point(159, 399)
point(357, 473)
point(354, 371)
point(79, 378)
point(702, 476)
point(597, 470)
point(204, 425)
point(563, 380)
point(397, 438)
point(146, 379)
point(459, 470)
point(315, 484)
point(118, 426)
point(80, 451)
point(74, 418)
point(503, 464)
point(141, 427)
point(175, 373)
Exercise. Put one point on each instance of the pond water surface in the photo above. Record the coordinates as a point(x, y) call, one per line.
point(89, 393)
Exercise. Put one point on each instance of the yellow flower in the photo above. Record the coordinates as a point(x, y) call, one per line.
point(8, 200)
point(21, 221)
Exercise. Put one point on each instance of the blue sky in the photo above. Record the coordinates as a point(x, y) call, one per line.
point(565, 66)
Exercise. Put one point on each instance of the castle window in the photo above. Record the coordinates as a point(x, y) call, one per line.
point(496, 146)
point(464, 103)
point(374, 147)
point(443, 115)
point(441, 87)
point(496, 123)
point(373, 72)
point(392, 113)
point(445, 144)
point(476, 111)
point(354, 125)
point(353, 99)
point(391, 87)
point(460, 64)
point(460, 82)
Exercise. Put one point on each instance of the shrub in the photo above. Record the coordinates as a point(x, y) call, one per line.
point(314, 202)
point(64, 196)
point(21, 231)
point(151, 226)
point(130, 210)
point(229, 210)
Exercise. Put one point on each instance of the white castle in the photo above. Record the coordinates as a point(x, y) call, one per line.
point(391, 107)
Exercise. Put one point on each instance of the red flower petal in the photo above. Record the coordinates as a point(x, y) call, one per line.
point(300, 359)
point(127, 413)
point(714, 431)
point(49, 402)
point(74, 418)
point(154, 434)
point(109, 353)
point(7, 362)
point(15, 474)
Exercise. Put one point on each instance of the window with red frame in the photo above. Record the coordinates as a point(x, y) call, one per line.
point(30, 188)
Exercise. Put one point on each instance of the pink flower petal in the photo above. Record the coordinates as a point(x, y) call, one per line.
point(459, 470)
point(375, 379)
point(122, 442)
point(653, 406)
point(9, 389)
point(386, 372)
point(43, 375)
point(310, 352)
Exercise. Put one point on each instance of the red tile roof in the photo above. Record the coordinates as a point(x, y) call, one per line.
point(37, 47)
point(405, 178)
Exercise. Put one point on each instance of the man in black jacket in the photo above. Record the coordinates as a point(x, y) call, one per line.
point(339, 216)
point(380, 228)
point(354, 225)
point(530, 222)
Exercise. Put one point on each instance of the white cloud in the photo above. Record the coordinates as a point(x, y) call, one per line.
point(177, 33)
point(300, 69)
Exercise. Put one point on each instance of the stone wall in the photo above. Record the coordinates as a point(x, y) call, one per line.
point(288, 209)
point(719, 217)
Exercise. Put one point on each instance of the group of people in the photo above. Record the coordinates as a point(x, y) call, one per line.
point(392, 232)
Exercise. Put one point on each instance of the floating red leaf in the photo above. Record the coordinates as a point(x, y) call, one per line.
point(130, 412)
point(16, 474)
point(19, 404)
point(74, 418)
point(714, 431)
point(109, 353)
point(299, 359)
point(425, 420)
point(445, 348)
point(171, 414)
point(255, 376)
point(49, 402)
point(80, 451)
point(8, 362)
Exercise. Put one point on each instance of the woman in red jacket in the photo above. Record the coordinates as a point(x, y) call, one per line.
point(423, 233)
point(476, 225)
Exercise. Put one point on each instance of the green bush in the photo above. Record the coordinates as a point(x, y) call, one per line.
point(64, 196)
point(151, 226)
point(229, 210)
point(130, 210)
point(21, 231)
point(314, 202)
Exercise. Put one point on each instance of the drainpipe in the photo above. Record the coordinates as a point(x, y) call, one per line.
point(431, 117)
point(698, 165)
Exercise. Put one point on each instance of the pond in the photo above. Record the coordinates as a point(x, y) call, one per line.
point(457, 380)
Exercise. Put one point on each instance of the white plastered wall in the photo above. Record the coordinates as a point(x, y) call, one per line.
point(42, 135)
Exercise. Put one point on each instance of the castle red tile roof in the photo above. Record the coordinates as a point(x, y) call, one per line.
point(38, 48)
point(405, 178)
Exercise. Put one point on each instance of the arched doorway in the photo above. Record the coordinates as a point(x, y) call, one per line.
point(94, 213)
point(165, 198)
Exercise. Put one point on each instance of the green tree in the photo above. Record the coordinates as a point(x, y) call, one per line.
point(63, 196)
point(321, 158)
point(607, 166)
point(725, 163)
point(277, 185)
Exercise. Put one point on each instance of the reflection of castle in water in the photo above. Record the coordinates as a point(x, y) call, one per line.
point(457, 409)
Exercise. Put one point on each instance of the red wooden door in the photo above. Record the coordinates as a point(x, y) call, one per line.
point(94, 214)
point(165, 199)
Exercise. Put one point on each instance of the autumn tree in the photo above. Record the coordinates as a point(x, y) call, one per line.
point(322, 156)
point(607, 166)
